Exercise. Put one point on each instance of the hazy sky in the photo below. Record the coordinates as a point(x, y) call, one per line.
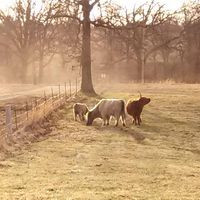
point(170, 4)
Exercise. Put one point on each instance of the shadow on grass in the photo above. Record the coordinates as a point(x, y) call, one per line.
point(139, 137)
point(124, 131)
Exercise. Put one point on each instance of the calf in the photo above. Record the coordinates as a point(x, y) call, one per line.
point(80, 110)
point(107, 108)
point(134, 108)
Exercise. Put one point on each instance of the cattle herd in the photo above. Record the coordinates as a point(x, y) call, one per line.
point(107, 108)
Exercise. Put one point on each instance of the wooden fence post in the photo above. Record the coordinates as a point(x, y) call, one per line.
point(15, 110)
point(44, 103)
point(27, 110)
point(45, 98)
point(70, 88)
point(65, 90)
point(52, 96)
point(35, 102)
point(52, 93)
point(8, 119)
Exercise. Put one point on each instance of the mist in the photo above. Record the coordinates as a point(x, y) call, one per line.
point(126, 46)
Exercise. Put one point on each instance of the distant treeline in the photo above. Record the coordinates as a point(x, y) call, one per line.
point(144, 44)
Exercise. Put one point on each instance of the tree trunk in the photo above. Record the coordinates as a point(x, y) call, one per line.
point(143, 57)
point(139, 69)
point(143, 71)
point(129, 75)
point(41, 70)
point(182, 67)
point(86, 84)
point(165, 56)
point(127, 53)
point(166, 66)
point(154, 68)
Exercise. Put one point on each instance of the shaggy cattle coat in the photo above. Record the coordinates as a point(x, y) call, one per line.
point(134, 108)
point(80, 110)
point(107, 108)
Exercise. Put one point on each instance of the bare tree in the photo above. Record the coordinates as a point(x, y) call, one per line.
point(81, 10)
point(19, 33)
point(46, 36)
point(165, 41)
point(190, 48)
point(136, 29)
point(69, 43)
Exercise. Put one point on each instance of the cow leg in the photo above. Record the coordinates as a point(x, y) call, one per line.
point(80, 117)
point(104, 120)
point(138, 118)
point(117, 120)
point(135, 120)
point(123, 120)
point(83, 117)
point(108, 120)
point(75, 116)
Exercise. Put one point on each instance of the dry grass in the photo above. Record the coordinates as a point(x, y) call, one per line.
point(159, 160)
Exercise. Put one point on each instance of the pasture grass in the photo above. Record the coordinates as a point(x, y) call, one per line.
point(158, 160)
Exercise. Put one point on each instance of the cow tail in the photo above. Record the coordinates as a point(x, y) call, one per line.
point(123, 109)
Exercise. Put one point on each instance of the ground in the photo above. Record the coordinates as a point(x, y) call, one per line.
point(158, 160)
point(8, 92)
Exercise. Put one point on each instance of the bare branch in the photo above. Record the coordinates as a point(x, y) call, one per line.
point(93, 4)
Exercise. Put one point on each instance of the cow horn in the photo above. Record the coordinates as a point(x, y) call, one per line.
point(140, 94)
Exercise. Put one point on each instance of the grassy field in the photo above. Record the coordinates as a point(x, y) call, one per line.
point(159, 160)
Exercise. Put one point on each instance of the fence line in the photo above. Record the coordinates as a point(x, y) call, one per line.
point(32, 112)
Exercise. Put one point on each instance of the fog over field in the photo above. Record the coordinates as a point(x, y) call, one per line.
point(152, 42)
point(132, 66)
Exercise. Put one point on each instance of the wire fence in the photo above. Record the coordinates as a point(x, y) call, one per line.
point(14, 118)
